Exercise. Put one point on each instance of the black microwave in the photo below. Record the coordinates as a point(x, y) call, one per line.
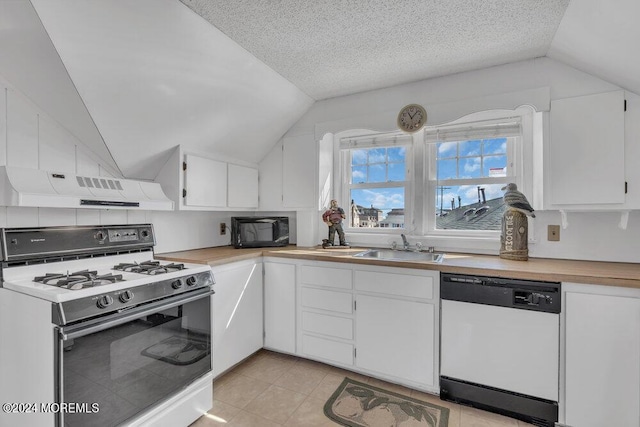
point(259, 231)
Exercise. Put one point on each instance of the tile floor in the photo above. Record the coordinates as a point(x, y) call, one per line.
point(271, 389)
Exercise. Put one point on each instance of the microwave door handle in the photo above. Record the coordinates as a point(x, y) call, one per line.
point(120, 318)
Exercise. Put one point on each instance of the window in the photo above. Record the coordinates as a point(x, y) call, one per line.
point(376, 180)
point(439, 185)
point(470, 163)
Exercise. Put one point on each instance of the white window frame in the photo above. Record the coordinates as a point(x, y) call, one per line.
point(461, 127)
point(365, 140)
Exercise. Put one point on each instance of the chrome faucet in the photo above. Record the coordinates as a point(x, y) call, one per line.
point(405, 242)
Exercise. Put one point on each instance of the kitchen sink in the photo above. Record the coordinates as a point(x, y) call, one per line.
point(400, 255)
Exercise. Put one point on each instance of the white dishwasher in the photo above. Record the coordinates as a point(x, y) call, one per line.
point(500, 341)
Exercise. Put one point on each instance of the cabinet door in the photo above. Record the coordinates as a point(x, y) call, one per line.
point(396, 337)
point(205, 181)
point(299, 168)
point(243, 187)
point(280, 307)
point(237, 314)
point(602, 360)
point(586, 150)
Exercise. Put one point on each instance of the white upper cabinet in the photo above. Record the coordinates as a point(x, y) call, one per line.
point(205, 182)
point(288, 174)
point(202, 182)
point(242, 186)
point(589, 144)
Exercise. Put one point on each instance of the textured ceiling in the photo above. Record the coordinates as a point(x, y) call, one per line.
point(329, 48)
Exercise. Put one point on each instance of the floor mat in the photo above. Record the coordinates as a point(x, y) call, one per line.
point(356, 404)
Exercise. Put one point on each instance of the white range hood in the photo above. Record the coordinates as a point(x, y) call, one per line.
point(38, 188)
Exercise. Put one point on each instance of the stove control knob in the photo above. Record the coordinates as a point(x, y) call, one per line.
point(100, 236)
point(104, 301)
point(176, 284)
point(126, 296)
point(144, 234)
point(192, 281)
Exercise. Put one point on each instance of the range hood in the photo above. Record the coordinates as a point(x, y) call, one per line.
point(38, 188)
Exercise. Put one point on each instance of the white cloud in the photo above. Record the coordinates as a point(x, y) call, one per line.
point(357, 176)
point(472, 165)
point(381, 200)
point(446, 147)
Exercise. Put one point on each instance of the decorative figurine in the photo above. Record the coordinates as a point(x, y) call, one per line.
point(516, 200)
point(515, 226)
point(333, 218)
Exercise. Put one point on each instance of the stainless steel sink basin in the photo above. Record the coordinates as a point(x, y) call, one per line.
point(400, 255)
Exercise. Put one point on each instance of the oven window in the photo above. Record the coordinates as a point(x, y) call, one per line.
point(128, 368)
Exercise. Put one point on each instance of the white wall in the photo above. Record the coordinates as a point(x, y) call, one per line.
point(591, 236)
point(30, 138)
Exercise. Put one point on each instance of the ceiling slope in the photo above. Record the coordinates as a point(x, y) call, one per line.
point(29, 61)
point(330, 48)
point(601, 38)
point(153, 75)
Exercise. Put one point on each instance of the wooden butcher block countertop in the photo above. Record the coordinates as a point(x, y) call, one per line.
point(557, 270)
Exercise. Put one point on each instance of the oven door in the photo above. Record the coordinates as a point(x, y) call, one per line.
point(121, 366)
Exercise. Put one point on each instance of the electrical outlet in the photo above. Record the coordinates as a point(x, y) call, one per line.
point(553, 233)
point(223, 228)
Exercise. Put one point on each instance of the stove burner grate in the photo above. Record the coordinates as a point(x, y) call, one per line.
point(78, 280)
point(149, 267)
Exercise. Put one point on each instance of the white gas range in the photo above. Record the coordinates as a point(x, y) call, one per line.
point(121, 332)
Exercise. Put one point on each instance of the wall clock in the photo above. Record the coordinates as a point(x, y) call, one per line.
point(412, 118)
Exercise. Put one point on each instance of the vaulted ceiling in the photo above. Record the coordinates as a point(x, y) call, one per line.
point(330, 48)
point(135, 78)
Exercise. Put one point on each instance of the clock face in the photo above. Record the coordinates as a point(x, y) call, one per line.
point(412, 118)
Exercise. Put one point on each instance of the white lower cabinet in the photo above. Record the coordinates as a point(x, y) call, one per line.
point(397, 323)
point(380, 321)
point(602, 356)
point(237, 313)
point(280, 307)
point(325, 313)
point(396, 337)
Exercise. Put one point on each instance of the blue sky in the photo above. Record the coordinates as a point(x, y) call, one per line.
point(378, 165)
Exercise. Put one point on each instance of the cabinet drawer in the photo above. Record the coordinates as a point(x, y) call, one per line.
point(407, 285)
point(323, 276)
point(339, 327)
point(326, 349)
point(326, 300)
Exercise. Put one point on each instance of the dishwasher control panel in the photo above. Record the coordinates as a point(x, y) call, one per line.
point(499, 291)
point(521, 297)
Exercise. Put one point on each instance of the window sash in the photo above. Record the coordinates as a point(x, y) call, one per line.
point(347, 145)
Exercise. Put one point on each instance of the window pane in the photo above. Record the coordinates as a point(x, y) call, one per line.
point(377, 208)
point(377, 155)
point(396, 154)
point(396, 172)
point(469, 148)
point(471, 167)
point(447, 149)
point(377, 173)
point(495, 166)
point(469, 207)
point(358, 174)
point(495, 146)
point(447, 169)
point(358, 157)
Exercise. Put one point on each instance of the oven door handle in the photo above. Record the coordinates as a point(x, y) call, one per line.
point(77, 331)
